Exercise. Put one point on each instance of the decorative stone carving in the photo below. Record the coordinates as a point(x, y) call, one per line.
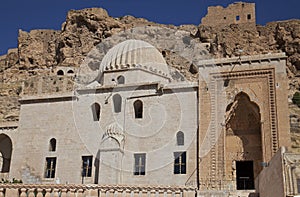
point(114, 131)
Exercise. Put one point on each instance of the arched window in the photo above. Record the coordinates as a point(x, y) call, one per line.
point(52, 145)
point(70, 72)
point(121, 79)
point(180, 138)
point(138, 109)
point(117, 99)
point(60, 72)
point(96, 111)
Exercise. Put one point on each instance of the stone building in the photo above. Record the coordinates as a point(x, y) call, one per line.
point(241, 13)
point(112, 131)
point(133, 127)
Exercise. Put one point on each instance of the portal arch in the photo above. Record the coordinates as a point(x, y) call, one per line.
point(243, 138)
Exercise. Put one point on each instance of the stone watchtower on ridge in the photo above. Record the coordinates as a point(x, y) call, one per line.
point(237, 13)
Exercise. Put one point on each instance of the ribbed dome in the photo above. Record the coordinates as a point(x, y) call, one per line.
point(135, 54)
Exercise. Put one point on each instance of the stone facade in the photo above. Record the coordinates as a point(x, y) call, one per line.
point(283, 171)
point(114, 139)
point(135, 124)
point(237, 13)
point(245, 121)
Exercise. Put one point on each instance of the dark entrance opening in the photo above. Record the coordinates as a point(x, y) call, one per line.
point(244, 175)
point(5, 153)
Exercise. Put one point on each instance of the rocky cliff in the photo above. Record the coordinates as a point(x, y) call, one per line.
point(41, 52)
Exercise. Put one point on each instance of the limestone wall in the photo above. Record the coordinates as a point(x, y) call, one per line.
point(69, 119)
point(271, 180)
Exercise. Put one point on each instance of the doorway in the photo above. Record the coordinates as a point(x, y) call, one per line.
point(243, 138)
point(244, 175)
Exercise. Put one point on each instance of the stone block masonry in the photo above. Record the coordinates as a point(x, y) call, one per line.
point(237, 13)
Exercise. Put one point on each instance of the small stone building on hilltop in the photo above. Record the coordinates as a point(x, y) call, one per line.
point(240, 13)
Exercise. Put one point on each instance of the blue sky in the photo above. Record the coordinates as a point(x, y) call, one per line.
point(50, 14)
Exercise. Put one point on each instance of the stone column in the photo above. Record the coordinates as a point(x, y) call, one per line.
point(127, 193)
point(118, 192)
point(39, 192)
point(109, 193)
point(31, 192)
point(93, 193)
point(189, 193)
point(56, 192)
point(101, 193)
point(80, 193)
point(177, 194)
point(23, 192)
point(48, 192)
point(72, 193)
point(64, 192)
point(145, 193)
point(2, 192)
point(123, 193)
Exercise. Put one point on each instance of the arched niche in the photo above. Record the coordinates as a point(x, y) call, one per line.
point(96, 110)
point(138, 109)
point(243, 140)
point(180, 138)
point(117, 101)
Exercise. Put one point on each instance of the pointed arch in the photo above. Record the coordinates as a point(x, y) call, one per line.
point(138, 109)
point(180, 138)
point(244, 98)
point(117, 100)
point(243, 138)
point(96, 110)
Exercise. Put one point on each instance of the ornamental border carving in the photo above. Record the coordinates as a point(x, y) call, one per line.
point(269, 74)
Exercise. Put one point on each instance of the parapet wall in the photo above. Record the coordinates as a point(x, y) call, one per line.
point(236, 13)
point(20, 190)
